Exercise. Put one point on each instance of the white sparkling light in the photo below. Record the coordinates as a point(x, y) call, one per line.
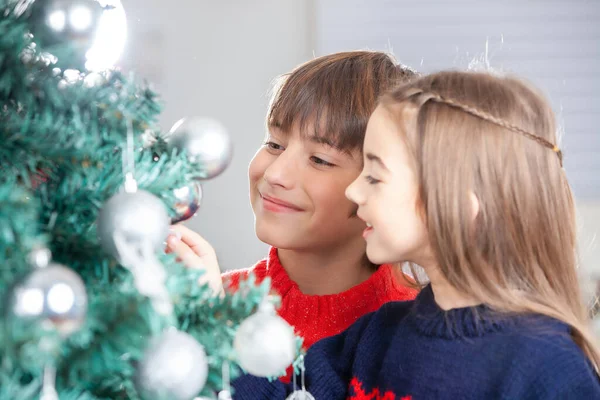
point(31, 302)
point(61, 298)
point(80, 18)
point(57, 20)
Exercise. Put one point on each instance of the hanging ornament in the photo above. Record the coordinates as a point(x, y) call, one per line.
point(51, 294)
point(65, 22)
point(94, 29)
point(265, 342)
point(187, 202)
point(173, 367)
point(205, 142)
point(132, 226)
point(224, 395)
point(48, 391)
point(140, 216)
point(301, 394)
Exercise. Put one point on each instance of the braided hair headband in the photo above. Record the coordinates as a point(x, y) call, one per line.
point(424, 97)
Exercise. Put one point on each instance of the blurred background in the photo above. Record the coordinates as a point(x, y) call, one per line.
point(217, 58)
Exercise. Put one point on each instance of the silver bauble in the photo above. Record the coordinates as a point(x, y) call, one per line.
point(187, 202)
point(62, 22)
point(205, 142)
point(224, 395)
point(300, 395)
point(265, 343)
point(140, 216)
point(173, 367)
point(54, 296)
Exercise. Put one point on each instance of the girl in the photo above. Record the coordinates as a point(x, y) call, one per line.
point(463, 176)
point(316, 124)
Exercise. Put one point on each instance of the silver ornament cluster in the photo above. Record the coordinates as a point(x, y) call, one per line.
point(173, 367)
point(188, 200)
point(140, 216)
point(206, 143)
point(52, 295)
point(265, 342)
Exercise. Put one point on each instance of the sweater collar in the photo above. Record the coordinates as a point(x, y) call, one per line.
point(379, 282)
point(475, 321)
point(431, 320)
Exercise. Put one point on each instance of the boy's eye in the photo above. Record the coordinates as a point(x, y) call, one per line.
point(273, 146)
point(320, 161)
point(371, 180)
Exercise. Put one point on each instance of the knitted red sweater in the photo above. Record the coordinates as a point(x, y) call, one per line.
point(318, 317)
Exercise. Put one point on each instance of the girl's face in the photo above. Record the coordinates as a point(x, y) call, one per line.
point(387, 196)
point(297, 188)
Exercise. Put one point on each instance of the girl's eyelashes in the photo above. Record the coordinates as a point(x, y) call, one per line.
point(371, 180)
point(320, 161)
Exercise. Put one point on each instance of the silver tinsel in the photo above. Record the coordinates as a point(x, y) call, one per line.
point(174, 367)
point(140, 216)
point(205, 142)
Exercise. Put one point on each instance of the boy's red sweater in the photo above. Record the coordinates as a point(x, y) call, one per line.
point(318, 317)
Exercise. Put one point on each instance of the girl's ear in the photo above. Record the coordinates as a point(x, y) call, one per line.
point(474, 205)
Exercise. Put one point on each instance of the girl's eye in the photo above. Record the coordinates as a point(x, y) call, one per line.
point(371, 180)
point(320, 161)
point(273, 146)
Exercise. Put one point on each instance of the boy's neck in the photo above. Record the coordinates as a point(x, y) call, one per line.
point(328, 271)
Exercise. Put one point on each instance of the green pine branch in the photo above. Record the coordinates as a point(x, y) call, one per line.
point(63, 137)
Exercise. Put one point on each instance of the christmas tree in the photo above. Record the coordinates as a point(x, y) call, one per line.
point(92, 306)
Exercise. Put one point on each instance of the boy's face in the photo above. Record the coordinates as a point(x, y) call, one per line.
point(297, 189)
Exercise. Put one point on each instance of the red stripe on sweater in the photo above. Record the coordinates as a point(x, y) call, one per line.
point(358, 393)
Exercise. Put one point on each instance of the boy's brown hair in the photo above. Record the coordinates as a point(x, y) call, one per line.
point(332, 97)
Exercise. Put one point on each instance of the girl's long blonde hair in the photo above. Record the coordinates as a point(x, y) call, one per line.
point(495, 137)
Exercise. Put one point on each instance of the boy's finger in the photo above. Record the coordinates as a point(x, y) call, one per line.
point(196, 242)
point(184, 253)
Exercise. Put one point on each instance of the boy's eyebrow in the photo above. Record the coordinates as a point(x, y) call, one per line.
point(375, 159)
point(322, 140)
point(329, 143)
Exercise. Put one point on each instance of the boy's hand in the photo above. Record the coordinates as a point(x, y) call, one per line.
point(195, 252)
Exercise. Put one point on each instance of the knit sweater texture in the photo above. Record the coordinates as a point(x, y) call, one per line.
point(414, 350)
point(317, 317)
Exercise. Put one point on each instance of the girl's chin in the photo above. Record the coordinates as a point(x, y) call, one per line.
point(379, 256)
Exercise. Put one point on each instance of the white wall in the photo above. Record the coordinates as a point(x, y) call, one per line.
point(589, 238)
point(553, 43)
point(217, 58)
